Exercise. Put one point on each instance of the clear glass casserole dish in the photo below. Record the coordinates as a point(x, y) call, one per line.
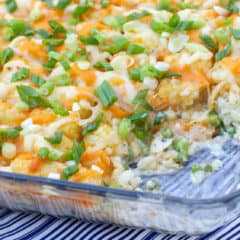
point(148, 92)
point(100, 204)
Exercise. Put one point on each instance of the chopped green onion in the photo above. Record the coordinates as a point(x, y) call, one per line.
point(43, 33)
point(181, 158)
point(224, 53)
point(167, 133)
point(138, 118)
point(43, 152)
point(183, 6)
point(93, 126)
point(175, 24)
point(31, 97)
point(65, 65)
point(68, 172)
point(77, 151)
point(140, 132)
point(68, 155)
point(232, 130)
point(50, 64)
point(52, 42)
point(209, 42)
point(80, 10)
point(80, 54)
point(222, 35)
point(135, 49)
point(89, 40)
point(232, 7)
point(19, 27)
point(46, 88)
point(136, 74)
point(58, 108)
point(115, 22)
point(174, 20)
point(54, 55)
point(34, 99)
point(106, 94)
point(103, 66)
point(165, 5)
point(140, 99)
point(8, 34)
point(5, 55)
point(160, 27)
point(61, 4)
point(181, 146)
point(10, 133)
point(61, 80)
point(159, 118)
point(56, 27)
point(104, 3)
point(214, 119)
point(124, 128)
point(236, 33)
point(73, 21)
point(119, 43)
point(21, 74)
point(54, 155)
point(189, 25)
point(37, 80)
point(171, 74)
point(11, 5)
point(56, 138)
point(227, 21)
point(137, 15)
point(152, 72)
point(99, 36)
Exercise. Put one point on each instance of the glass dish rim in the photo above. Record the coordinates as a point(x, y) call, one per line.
point(120, 192)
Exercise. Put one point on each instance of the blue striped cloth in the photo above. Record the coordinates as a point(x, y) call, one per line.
point(24, 226)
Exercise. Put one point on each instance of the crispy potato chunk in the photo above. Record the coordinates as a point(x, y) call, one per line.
point(29, 165)
point(72, 130)
point(190, 89)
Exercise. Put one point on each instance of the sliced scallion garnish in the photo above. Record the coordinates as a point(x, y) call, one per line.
point(93, 126)
point(106, 94)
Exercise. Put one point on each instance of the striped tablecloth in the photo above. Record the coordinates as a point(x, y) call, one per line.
point(24, 226)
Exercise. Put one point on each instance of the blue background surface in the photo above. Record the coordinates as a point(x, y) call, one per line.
point(23, 226)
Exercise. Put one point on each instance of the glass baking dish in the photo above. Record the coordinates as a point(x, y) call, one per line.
point(100, 204)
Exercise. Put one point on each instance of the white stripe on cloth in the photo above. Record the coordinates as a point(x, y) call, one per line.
point(22, 226)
